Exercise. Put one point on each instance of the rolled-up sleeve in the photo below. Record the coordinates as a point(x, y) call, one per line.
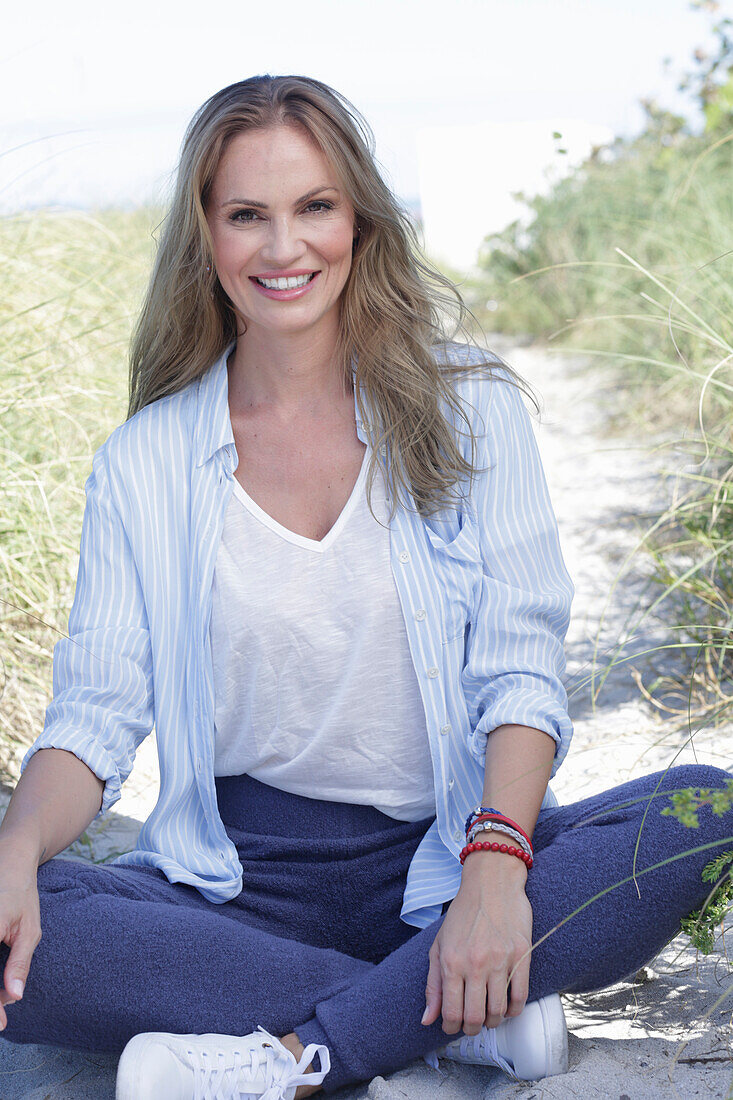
point(102, 705)
point(515, 660)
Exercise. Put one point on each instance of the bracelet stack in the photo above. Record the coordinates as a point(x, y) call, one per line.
point(487, 819)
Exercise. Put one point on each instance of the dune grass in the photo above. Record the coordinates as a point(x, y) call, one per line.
point(628, 263)
point(72, 283)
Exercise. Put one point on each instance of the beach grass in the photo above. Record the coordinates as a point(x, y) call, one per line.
point(628, 264)
point(72, 285)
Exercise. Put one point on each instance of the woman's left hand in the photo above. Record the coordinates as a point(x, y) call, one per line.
point(486, 933)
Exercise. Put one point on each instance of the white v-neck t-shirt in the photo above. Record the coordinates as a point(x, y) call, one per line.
point(315, 689)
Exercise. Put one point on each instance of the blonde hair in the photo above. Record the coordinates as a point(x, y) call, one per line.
point(393, 306)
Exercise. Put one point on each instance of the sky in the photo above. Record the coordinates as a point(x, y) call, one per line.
point(94, 98)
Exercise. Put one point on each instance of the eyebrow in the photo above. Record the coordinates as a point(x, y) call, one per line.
point(263, 205)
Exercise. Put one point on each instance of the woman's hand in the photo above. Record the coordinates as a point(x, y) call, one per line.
point(486, 932)
point(20, 922)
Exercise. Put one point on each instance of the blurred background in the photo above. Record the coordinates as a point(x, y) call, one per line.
point(471, 101)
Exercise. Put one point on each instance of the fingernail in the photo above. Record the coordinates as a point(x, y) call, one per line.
point(425, 1014)
point(15, 986)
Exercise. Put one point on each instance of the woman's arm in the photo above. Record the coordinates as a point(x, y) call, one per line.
point(517, 705)
point(487, 932)
point(103, 699)
point(54, 801)
point(519, 760)
point(515, 660)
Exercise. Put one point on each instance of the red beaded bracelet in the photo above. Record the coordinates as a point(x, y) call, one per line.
point(498, 818)
point(493, 846)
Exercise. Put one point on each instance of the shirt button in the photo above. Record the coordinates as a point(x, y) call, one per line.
point(404, 557)
point(432, 673)
point(458, 835)
point(420, 614)
point(450, 784)
point(383, 449)
point(445, 729)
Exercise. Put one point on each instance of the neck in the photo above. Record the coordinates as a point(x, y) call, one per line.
point(285, 371)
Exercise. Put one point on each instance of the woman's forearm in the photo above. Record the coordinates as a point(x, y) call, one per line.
point(55, 799)
point(518, 766)
point(480, 958)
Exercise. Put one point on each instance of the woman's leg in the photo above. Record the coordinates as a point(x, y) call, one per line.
point(581, 849)
point(124, 951)
point(589, 846)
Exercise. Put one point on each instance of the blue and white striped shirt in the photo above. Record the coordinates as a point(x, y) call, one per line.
point(483, 588)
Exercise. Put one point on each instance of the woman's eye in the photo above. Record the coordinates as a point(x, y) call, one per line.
point(242, 215)
point(245, 217)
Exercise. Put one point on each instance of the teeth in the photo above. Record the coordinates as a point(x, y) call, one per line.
point(285, 283)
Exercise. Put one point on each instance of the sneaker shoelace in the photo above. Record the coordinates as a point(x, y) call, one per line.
point(484, 1047)
point(481, 1048)
point(227, 1077)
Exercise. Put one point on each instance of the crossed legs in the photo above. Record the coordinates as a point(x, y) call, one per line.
point(125, 951)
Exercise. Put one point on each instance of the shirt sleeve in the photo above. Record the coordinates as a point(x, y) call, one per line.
point(102, 705)
point(515, 659)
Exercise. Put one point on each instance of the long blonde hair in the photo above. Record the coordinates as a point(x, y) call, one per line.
point(393, 306)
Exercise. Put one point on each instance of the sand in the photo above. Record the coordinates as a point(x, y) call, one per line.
point(666, 1034)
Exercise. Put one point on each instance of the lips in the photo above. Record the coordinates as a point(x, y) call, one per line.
point(298, 279)
point(284, 294)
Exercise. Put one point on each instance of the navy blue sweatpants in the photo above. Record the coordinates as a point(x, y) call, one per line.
point(314, 943)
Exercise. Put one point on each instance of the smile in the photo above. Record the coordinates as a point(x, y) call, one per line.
point(285, 287)
point(286, 283)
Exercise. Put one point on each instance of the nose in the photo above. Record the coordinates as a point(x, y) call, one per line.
point(282, 245)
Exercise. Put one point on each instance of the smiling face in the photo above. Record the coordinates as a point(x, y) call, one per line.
point(283, 230)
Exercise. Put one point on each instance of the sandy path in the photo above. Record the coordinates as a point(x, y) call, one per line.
point(625, 1042)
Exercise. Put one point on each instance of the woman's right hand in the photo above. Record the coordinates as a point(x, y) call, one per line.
point(20, 922)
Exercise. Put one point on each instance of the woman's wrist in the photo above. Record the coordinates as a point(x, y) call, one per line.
point(493, 873)
point(484, 863)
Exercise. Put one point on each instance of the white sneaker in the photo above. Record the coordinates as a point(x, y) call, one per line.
point(527, 1047)
point(158, 1065)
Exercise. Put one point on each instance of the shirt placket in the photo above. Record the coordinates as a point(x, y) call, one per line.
point(220, 471)
point(426, 650)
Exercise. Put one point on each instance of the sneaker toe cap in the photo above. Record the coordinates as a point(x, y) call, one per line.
point(149, 1069)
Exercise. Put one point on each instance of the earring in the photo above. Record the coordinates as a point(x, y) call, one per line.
point(208, 269)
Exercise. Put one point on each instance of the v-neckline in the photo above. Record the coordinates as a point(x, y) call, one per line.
point(318, 546)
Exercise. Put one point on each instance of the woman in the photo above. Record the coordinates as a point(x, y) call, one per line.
point(321, 557)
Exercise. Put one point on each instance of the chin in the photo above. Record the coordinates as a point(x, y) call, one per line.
point(293, 324)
